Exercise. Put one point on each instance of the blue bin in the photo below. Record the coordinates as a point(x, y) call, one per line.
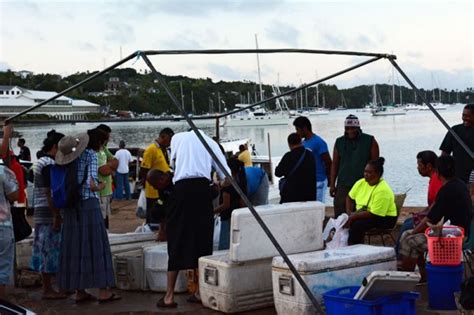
point(340, 302)
point(443, 281)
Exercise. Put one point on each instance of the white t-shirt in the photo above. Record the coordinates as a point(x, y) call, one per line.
point(124, 157)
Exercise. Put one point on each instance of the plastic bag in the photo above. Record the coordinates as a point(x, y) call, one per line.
point(140, 212)
point(144, 228)
point(217, 231)
point(341, 235)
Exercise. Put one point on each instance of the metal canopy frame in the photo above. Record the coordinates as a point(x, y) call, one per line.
point(145, 54)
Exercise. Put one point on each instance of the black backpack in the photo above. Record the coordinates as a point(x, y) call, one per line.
point(466, 299)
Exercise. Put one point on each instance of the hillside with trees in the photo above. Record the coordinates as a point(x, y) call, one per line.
point(140, 92)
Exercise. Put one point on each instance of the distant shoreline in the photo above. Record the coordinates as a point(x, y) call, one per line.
point(76, 121)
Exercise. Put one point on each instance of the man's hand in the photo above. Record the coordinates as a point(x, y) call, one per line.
point(332, 191)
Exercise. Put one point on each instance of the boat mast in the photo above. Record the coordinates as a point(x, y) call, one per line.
point(192, 102)
point(258, 67)
point(393, 86)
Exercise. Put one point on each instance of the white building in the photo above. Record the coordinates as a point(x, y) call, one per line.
point(14, 99)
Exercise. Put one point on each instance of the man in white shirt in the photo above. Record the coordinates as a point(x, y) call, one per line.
point(124, 157)
point(190, 222)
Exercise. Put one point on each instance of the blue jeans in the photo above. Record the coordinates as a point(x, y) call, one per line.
point(7, 244)
point(407, 225)
point(121, 183)
point(224, 236)
point(321, 188)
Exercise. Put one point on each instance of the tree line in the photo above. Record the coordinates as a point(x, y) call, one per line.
point(140, 92)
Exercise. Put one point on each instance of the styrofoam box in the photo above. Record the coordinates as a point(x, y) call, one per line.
point(232, 287)
point(323, 271)
point(156, 268)
point(297, 226)
point(118, 243)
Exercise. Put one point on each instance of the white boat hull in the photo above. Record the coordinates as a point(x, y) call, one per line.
point(268, 120)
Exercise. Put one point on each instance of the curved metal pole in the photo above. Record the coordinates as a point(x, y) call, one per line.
point(69, 89)
point(302, 87)
point(236, 187)
point(435, 112)
point(264, 51)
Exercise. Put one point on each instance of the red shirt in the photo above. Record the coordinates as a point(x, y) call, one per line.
point(433, 187)
point(17, 169)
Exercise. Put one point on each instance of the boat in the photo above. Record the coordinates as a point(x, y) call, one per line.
point(343, 105)
point(384, 110)
point(436, 105)
point(366, 109)
point(256, 116)
point(313, 111)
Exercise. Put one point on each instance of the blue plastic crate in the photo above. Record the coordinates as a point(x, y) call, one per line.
point(340, 302)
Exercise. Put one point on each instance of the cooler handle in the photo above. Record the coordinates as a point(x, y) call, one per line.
point(285, 285)
point(210, 275)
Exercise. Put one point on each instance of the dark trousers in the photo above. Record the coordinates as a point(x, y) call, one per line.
point(340, 200)
point(359, 227)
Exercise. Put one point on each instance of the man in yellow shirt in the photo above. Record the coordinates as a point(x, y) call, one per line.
point(244, 156)
point(155, 157)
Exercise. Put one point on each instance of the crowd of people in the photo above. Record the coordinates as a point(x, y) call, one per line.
point(186, 189)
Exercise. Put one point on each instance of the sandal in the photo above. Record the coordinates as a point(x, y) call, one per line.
point(87, 298)
point(194, 299)
point(113, 297)
point(161, 303)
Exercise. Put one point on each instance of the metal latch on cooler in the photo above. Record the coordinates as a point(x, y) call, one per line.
point(210, 275)
point(285, 285)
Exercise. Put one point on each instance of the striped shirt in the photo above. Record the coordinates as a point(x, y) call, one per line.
point(88, 159)
point(42, 187)
point(471, 177)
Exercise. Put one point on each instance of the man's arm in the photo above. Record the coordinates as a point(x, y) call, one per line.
point(327, 163)
point(334, 171)
point(374, 150)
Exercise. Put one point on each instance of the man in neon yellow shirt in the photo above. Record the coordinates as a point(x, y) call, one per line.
point(155, 157)
point(370, 203)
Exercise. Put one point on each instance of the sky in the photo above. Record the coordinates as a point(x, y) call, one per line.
point(432, 39)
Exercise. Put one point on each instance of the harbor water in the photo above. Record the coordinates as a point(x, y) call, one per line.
point(400, 138)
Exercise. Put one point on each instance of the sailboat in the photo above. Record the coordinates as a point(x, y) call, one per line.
point(384, 110)
point(343, 105)
point(257, 115)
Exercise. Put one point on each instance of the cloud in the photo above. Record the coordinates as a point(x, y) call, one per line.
point(119, 33)
point(34, 34)
point(282, 32)
point(86, 46)
point(4, 66)
point(364, 41)
point(224, 72)
point(334, 40)
point(180, 42)
point(414, 54)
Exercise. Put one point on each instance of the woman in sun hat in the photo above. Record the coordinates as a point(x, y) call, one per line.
point(86, 260)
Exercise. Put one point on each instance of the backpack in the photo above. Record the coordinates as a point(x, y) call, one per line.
point(66, 191)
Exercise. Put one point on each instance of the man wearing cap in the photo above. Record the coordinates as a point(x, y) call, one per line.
point(351, 153)
point(320, 151)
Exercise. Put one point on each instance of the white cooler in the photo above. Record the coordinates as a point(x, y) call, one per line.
point(156, 267)
point(323, 271)
point(232, 287)
point(297, 226)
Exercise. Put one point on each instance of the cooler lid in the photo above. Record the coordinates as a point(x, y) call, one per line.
point(339, 258)
point(156, 257)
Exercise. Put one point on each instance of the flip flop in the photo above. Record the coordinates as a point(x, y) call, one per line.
point(111, 298)
point(87, 298)
point(161, 303)
point(193, 299)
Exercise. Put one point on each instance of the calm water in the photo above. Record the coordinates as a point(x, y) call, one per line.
point(400, 138)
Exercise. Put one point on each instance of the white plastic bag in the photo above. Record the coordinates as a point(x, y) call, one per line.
point(341, 235)
point(140, 212)
point(217, 231)
point(144, 228)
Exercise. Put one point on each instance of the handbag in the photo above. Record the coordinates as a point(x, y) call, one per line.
point(21, 227)
point(282, 181)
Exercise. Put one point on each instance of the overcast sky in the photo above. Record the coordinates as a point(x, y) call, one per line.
point(433, 39)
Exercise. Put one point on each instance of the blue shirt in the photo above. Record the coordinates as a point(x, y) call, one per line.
point(318, 147)
point(254, 178)
point(87, 165)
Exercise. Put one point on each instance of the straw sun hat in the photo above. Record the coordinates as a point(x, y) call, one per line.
point(70, 147)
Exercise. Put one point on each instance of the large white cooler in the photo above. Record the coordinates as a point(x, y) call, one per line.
point(232, 287)
point(297, 226)
point(323, 271)
point(156, 268)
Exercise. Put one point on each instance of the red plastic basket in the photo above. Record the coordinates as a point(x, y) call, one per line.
point(446, 251)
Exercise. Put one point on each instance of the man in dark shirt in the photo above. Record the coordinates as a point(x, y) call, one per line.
point(452, 203)
point(25, 154)
point(300, 183)
point(465, 131)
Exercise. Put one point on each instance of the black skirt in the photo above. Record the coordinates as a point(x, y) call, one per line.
point(190, 223)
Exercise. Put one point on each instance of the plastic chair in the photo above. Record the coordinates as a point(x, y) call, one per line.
point(399, 201)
